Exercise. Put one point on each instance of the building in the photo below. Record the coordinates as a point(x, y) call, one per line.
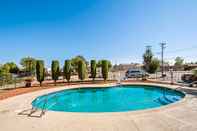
point(190, 66)
point(124, 67)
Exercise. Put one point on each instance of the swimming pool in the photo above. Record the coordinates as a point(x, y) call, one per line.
point(110, 99)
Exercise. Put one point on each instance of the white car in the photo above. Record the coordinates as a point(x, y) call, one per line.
point(135, 73)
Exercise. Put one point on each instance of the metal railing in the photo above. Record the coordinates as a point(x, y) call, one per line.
point(44, 103)
point(176, 75)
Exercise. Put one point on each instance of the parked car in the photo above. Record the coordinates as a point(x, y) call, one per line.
point(188, 78)
point(135, 73)
point(193, 84)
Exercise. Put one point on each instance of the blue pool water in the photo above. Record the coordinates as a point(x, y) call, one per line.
point(110, 99)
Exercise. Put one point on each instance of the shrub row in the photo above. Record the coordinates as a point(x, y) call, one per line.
point(67, 70)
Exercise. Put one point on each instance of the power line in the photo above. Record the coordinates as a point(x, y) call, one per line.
point(179, 50)
point(183, 49)
point(189, 56)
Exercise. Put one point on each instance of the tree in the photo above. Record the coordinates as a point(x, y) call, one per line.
point(148, 56)
point(179, 61)
point(109, 64)
point(5, 69)
point(81, 70)
point(105, 69)
point(154, 65)
point(29, 64)
point(4, 73)
point(67, 70)
point(75, 61)
point(13, 68)
point(40, 71)
point(99, 64)
point(55, 69)
point(93, 69)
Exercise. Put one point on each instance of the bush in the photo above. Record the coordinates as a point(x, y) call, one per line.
point(81, 70)
point(40, 71)
point(93, 69)
point(55, 70)
point(105, 69)
point(67, 70)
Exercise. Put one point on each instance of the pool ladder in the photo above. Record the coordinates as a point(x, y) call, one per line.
point(44, 107)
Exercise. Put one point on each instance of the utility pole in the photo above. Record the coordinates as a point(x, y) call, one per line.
point(162, 62)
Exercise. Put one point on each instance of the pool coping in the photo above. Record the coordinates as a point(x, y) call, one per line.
point(140, 120)
point(148, 110)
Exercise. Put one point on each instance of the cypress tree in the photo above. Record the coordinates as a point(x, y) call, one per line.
point(40, 71)
point(105, 69)
point(55, 70)
point(67, 70)
point(93, 69)
point(81, 70)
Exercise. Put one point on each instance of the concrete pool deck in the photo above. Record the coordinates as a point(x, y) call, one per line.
point(179, 116)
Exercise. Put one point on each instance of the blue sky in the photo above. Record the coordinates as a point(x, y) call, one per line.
point(117, 30)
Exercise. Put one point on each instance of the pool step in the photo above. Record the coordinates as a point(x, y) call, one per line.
point(167, 100)
point(163, 101)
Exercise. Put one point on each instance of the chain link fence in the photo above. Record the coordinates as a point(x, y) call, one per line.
point(175, 76)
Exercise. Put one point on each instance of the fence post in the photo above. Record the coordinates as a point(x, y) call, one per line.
point(171, 74)
point(14, 82)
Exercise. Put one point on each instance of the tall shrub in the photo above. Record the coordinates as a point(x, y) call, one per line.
point(67, 70)
point(93, 69)
point(81, 70)
point(55, 70)
point(40, 71)
point(105, 69)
